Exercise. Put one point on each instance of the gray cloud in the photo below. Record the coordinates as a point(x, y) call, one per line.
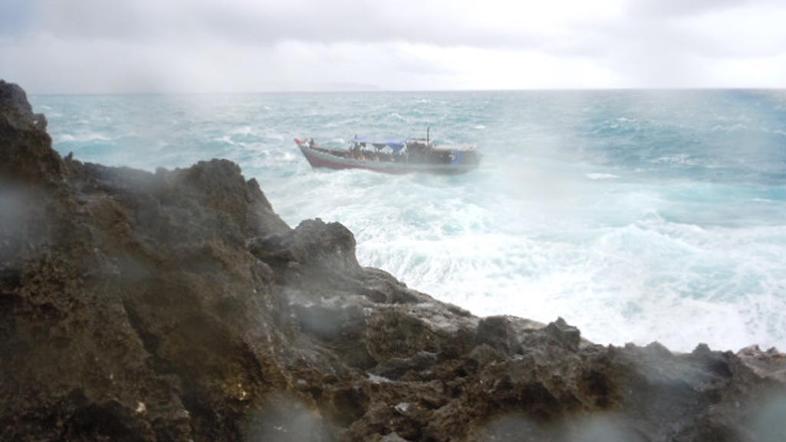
point(268, 22)
point(15, 16)
point(97, 45)
point(671, 8)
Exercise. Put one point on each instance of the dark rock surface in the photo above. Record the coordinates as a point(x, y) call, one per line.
point(176, 305)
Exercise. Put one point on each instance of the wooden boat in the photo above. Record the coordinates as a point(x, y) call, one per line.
point(395, 157)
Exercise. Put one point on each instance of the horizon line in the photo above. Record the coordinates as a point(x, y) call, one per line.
point(379, 90)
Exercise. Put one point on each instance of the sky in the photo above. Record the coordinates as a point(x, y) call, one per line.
point(104, 46)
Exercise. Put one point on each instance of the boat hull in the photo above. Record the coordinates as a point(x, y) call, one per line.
point(324, 159)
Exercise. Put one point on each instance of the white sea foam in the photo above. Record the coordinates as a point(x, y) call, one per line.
point(645, 281)
point(275, 136)
point(243, 130)
point(681, 158)
point(601, 176)
point(82, 137)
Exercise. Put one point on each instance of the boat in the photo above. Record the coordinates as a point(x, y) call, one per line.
point(392, 156)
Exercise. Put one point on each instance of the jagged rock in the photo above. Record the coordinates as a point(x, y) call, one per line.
point(26, 155)
point(770, 363)
point(316, 247)
point(176, 305)
point(498, 333)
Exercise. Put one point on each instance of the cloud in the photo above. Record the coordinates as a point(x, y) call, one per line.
point(440, 22)
point(667, 8)
point(235, 45)
point(15, 16)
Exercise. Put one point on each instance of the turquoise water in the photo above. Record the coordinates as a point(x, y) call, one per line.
point(635, 215)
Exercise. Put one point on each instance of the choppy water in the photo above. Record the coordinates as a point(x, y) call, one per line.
point(635, 215)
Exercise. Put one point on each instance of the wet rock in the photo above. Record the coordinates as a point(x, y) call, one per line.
point(563, 333)
point(395, 368)
point(392, 437)
point(498, 333)
point(311, 243)
point(26, 155)
point(770, 363)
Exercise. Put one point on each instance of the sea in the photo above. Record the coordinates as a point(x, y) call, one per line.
point(635, 215)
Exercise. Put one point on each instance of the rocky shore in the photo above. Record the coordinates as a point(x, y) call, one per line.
point(177, 305)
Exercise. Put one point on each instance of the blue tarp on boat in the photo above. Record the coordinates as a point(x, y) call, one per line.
point(396, 145)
